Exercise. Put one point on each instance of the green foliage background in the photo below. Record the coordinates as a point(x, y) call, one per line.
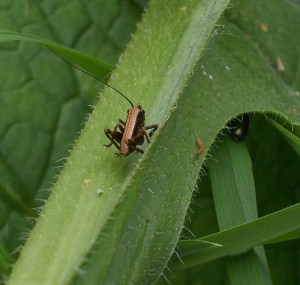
point(44, 104)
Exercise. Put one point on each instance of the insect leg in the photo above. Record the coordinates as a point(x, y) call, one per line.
point(114, 137)
point(139, 137)
point(144, 132)
point(139, 150)
point(153, 127)
point(120, 125)
point(134, 147)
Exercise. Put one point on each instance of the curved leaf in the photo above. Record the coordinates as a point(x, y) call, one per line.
point(75, 215)
point(96, 67)
point(134, 225)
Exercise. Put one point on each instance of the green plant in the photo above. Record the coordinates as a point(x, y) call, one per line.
point(127, 234)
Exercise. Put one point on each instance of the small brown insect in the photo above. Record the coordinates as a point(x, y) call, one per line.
point(127, 135)
point(201, 147)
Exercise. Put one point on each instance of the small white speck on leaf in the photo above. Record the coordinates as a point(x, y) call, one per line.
point(99, 192)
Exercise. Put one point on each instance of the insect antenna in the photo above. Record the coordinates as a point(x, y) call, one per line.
point(90, 74)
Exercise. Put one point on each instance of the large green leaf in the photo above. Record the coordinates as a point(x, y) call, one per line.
point(132, 228)
point(275, 165)
point(44, 101)
point(105, 172)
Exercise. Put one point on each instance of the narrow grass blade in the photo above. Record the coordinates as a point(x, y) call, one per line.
point(233, 184)
point(292, 139)
point(238, 240)
point(92, 65)
point(235, 202)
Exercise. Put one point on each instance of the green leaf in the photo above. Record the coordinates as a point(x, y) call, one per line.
point(44, 102)
point(292, 139)
point(58, 229)
point(90, 64)
point(276, 166)
point(238, 240)
point(131, 229)
point(234, 196)
point(235, 202)
point(233, 184)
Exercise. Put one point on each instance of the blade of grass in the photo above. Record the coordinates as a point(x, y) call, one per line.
point(232, 184)
point(291, 235)
point(292, 139)
point(235, 202)
point(267, 229)
point(96, 67)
